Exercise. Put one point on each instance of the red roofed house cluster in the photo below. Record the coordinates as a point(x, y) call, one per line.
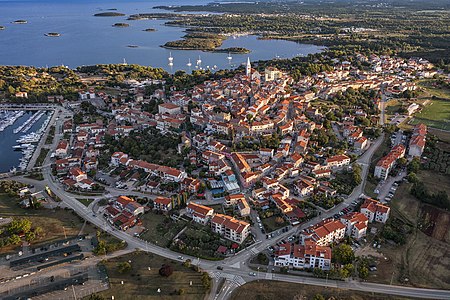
point(386, 163)
point(375, 211)
point(123, 213)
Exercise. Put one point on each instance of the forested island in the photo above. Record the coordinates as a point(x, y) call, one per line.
point(109, 14)
point(149, 30)
point(197, 41)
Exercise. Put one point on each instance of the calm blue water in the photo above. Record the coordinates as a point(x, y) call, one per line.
point(88, 40)
point(8, 157)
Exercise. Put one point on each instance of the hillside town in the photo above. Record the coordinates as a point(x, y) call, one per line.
point(273, 151)
point(255, 168)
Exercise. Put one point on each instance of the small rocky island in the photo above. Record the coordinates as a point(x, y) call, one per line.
point(52, 34)
point(121, 25)
point(150, 30)
point(20, 22)
point(109, 14)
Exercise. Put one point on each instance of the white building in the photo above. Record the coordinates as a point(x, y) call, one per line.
point(375, 211)
point(200, 214)
point(230, 228)
point(324, 233)
point(305, 256)
point(356, 224)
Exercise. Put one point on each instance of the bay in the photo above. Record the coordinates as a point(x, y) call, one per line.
point(89, 40)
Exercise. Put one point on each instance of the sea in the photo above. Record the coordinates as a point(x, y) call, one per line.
point(8, 157)
point(89, 40)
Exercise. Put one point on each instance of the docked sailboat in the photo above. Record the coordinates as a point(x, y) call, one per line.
point(189, 64)
point(170, 59)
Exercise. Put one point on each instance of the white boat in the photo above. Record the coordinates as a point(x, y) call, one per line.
point(170, 57)
point(189, 63)
point(229, 57)
point(199, 61)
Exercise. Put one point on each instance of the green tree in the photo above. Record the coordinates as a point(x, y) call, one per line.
point(363, 272)
point(343, 254)
point(123, 267)
point(19, 225)
point(414, 165)
point(347, 271)
point(14, 239)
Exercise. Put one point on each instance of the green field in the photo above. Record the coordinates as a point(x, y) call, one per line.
point(143, 280)
point(437, 113)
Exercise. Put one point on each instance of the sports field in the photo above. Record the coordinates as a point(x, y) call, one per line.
point(436, 114)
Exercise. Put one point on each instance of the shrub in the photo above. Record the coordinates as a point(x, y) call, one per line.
point(165, 270)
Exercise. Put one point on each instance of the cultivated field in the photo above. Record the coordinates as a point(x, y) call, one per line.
point(424, 260)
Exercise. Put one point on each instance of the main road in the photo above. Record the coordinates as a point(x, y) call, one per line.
point(235, 267)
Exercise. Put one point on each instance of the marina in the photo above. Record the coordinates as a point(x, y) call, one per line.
point(29, 123)
point(8, 118)
point(19, 140)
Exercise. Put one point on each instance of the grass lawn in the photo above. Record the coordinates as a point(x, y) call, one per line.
point(85, 201)
point(160, 228)
point(266, 289)
point(270, 224)
point(142, 283)
point(437, 113)
point(392, 106)
point(53, 222)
